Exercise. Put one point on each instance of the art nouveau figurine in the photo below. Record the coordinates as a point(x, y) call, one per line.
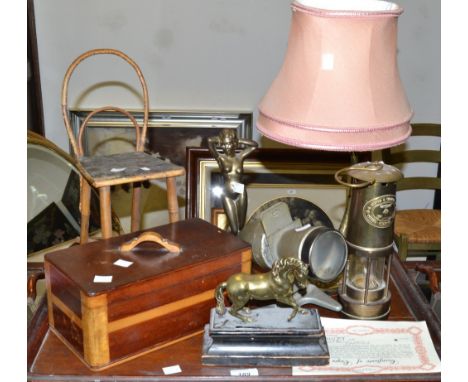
point(274, 285)
point(234, 197)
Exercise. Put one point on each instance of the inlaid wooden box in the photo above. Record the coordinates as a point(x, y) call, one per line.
point(161, 298)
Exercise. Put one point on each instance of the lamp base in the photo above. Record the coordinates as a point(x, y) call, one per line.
point(373, 310)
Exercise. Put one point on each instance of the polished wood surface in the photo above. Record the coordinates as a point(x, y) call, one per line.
point(49, 359)
point(95, 329)
point(201, 243)
point(147, 305)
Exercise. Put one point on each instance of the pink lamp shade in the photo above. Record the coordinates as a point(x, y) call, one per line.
point(339, 88)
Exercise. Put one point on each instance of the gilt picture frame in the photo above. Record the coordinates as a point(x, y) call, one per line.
point(269, 174)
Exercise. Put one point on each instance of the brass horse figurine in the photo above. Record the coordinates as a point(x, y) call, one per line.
point(274, 285)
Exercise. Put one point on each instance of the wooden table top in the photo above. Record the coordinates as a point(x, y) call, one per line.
point(49, 359)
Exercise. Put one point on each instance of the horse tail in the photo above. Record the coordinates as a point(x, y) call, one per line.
point(220, 308)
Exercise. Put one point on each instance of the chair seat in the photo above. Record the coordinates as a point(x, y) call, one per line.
point(420, 226)
point(108, 170)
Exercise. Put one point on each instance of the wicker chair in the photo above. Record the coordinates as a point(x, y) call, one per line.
point(104, 171)
point(417, 231)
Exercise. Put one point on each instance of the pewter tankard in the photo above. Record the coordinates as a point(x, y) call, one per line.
point(368, 228)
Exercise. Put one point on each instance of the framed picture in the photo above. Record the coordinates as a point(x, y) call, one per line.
point(219, 218)
point(168, 134)
point(49, 228)
point(53, 191)
point(71, 202)
point(269, 174)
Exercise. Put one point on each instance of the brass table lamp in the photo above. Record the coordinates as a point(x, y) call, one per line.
point(339, 89)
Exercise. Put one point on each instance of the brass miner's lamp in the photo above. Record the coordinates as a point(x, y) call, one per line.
point(339, 89)
point(368, 228)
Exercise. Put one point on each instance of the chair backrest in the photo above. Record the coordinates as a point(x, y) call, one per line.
point(397, 157)
point(76, 144)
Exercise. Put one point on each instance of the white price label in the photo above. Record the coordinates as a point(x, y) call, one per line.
point(238, 187)
point(102, 279)
point(172, 370)
point(118, 169)
point(123, 263)
point(244, 373)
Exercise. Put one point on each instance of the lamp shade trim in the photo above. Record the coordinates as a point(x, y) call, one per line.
point(324, 129)
point(336, 147)
point(321, 12)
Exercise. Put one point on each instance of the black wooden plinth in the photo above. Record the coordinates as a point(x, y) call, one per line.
point(271, 340)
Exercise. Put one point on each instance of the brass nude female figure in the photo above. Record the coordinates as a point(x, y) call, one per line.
point(234, 197)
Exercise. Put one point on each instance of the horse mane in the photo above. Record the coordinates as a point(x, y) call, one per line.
point(287, 262)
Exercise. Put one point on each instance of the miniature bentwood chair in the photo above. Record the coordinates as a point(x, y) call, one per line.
point(104, 171)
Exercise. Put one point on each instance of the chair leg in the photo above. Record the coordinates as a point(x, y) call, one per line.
point(136, 207)
point(403, 247)
point(85, 209)
point(172, 204)
point(105, 208)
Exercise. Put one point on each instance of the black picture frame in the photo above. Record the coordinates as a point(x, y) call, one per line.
point(71, 201)
point(168, 133)
point(49, 228)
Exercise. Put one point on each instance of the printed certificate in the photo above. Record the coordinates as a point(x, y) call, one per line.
point(376, 347)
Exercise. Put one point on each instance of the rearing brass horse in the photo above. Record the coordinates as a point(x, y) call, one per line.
point(274, 285)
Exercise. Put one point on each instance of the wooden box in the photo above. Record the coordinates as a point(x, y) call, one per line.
point(161, 298)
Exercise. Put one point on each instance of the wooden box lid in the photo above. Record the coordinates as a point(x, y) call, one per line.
point(201, 242)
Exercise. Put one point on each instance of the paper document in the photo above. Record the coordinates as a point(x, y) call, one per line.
point(376, 347)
